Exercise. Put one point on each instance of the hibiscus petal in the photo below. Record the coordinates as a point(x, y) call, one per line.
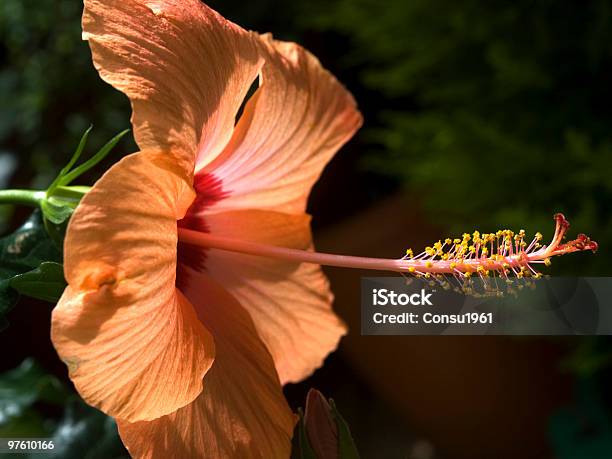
point(292, 126)
point(241, 412)
point(133, 344)
point(290, 303)
point(185, 69)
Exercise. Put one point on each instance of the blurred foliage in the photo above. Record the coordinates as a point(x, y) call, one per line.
point(498, 113)
point(583, 429)
point(36, 404)
point(49, 89)
point(21, 388)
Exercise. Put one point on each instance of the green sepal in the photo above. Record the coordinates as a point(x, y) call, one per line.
point(55, 211)
point(45, 283)
point(75, 157)
point(93, 161)
point(346, 445)
point(61, 200)
point(305, 451)
point(60, 208)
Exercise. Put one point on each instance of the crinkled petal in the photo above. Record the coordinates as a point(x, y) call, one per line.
point(185, 69)
point(291, 127)
point(290, 303)
point(241, 413)
point(132, 342)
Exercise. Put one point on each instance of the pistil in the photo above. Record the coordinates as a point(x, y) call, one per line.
point(502, 252)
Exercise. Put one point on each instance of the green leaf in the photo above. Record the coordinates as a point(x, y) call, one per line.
point(45, 283)
point(57, 233)
point(24, 250)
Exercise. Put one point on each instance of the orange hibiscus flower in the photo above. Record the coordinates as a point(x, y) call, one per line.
point(143, 320)
point(193, 291)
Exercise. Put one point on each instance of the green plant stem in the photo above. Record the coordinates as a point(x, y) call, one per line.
point(27, 197)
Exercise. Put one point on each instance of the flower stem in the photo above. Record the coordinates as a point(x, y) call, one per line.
point(27, 197)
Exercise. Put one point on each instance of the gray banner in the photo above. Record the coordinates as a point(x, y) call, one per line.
point(548, 306)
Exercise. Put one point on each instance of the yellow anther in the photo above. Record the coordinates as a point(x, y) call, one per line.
point(429, 264)
point(547, 261)
point(410, 253)
point(411, 269)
